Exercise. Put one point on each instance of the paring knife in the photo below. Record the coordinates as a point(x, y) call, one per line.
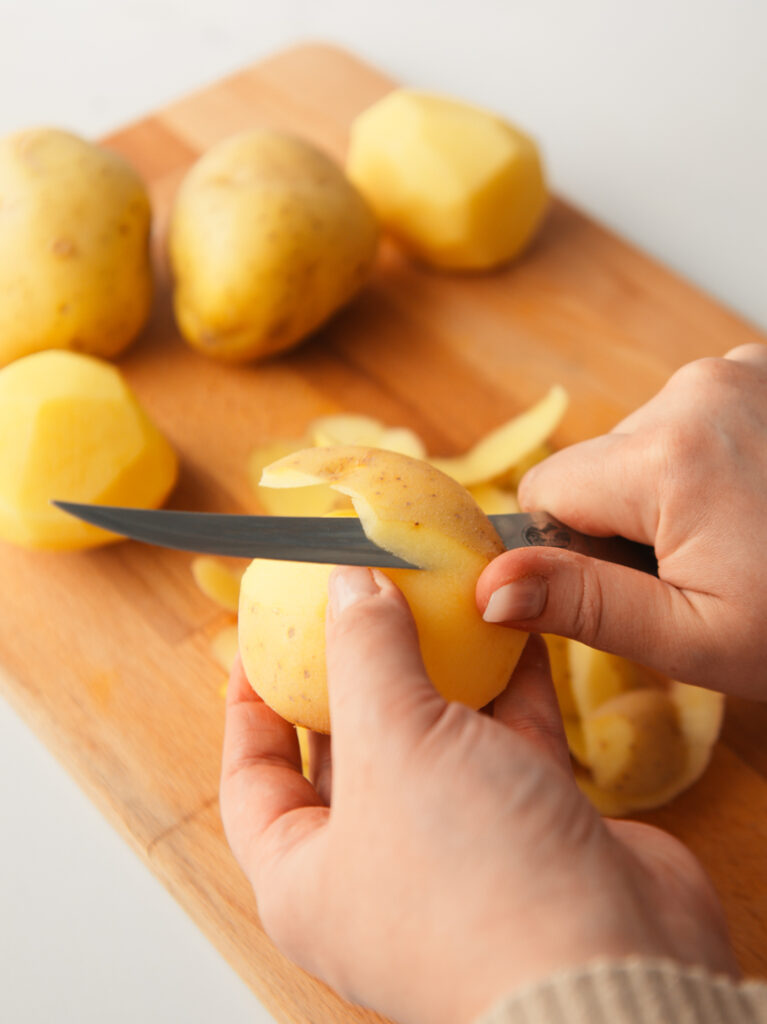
point(339, 541)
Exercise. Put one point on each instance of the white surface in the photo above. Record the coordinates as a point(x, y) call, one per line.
point(652, 117)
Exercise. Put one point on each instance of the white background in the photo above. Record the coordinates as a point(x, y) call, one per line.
point(652, 116)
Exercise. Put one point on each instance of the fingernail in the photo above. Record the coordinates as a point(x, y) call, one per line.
point(347, 586)
point(517, 601)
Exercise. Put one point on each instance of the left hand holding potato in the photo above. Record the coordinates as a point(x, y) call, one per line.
point(447, 858)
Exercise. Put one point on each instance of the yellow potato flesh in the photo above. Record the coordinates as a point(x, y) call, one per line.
point(74, 256)
point(305, 501)
point(493, 500)
point(303, 746)
point(509, 444)
point(224, 647)
point(575, 739)
point(424, 517)
point(267, 240)
point(218, 581)
point(557, 647)
point(71, 428)
point(331, 431)
point(596, 676)
point(460, 187)
point(511, 477)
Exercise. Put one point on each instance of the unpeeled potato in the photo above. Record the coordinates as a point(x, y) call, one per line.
point(267, 240)
point(74, 255)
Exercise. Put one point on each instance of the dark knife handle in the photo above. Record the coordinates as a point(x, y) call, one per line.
point(539, 529)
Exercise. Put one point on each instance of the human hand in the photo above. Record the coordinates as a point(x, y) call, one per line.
point(444, 857)
point(686, 473)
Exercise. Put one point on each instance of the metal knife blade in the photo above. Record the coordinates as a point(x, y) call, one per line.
point(333, 540)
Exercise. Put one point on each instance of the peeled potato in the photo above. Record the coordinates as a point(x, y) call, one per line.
point(74, 247)
point(72, 429)
point(462, 188)
point(411, 509)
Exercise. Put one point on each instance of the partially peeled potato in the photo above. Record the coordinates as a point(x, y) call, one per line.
point(411, 509)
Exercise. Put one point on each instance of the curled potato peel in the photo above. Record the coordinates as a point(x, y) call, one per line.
point(637, 738)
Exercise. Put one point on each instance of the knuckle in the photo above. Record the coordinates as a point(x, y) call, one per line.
point(587, 626)
point(683, 441)
point(704, 380)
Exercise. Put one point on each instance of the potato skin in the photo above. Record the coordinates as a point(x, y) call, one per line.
point(267, 240)
point(74, 247)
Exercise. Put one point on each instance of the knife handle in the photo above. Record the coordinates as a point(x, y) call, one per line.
point(539, 529)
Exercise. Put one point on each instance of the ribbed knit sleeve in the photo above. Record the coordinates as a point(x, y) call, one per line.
point(634, 991)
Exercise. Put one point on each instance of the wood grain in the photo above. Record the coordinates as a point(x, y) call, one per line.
point(107, 653)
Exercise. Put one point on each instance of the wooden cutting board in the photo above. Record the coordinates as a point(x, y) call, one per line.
point(107, 653)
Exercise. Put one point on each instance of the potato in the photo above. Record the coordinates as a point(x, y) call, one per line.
point(267, 240)
point(71, 428)
point(407, 507)
point(74, 257)
point(457, 185)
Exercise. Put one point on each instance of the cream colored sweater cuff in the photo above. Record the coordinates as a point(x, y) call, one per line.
point(634, 991)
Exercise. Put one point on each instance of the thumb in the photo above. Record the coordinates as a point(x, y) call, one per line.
point(377, 683)
point(607, 606)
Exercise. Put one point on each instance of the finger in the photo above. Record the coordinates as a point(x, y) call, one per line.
point(377, 682)
point(529, 705)
point(607, 606)
point(598, 487)
point(262, 789)
point(753, 353)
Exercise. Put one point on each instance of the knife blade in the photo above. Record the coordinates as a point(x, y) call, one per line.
point(333, 540)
